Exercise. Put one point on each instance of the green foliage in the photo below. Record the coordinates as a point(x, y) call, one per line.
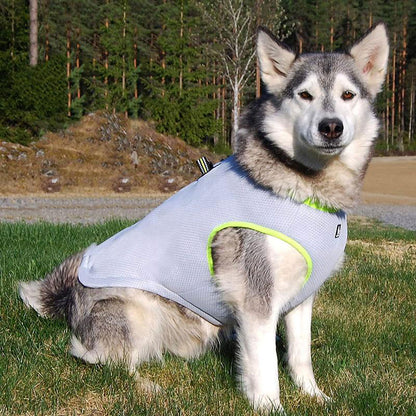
point(188, 116)
point(177, 93)
point(77, 104)
point(32, 99)
point(14, 28)
point(15, 134)
point(117, 76)
point(165, 60)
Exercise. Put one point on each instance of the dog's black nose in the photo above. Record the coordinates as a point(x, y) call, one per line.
point(331, 128)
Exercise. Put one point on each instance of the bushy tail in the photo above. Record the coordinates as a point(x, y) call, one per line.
point(52, 296)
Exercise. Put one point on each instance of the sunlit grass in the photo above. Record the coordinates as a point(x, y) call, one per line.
point(364, 339)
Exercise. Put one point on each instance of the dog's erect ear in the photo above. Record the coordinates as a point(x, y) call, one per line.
point(371, 54)
point(275, 60)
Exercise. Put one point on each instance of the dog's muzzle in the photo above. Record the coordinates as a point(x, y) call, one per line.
point(331, 128)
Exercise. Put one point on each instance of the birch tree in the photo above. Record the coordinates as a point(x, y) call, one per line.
point(234, 23)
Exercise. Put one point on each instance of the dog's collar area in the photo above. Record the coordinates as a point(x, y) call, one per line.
point(313, 203)
point(205, 166)
point(284, 158)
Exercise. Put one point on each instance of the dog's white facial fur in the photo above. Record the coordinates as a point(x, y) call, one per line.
point(355, 114)
point(296, 127)
point(311, 112)
point(370, 55)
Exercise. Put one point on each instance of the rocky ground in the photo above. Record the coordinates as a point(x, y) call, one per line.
point(102, 154)
point(399, 215)
point(108, 167)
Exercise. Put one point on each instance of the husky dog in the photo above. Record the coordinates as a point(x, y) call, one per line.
point(303, 149)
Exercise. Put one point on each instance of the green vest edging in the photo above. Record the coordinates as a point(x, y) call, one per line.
point(264, 230)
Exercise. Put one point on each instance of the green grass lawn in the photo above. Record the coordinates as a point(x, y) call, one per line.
point(364, 339)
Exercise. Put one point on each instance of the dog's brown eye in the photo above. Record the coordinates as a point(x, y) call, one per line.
point(347, 95)
point(305, 96)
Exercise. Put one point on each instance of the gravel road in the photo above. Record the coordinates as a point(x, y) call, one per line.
point(399, 215)
point(87, 210)
point(76, 210)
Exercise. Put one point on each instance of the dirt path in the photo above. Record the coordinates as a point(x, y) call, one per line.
point(391, 180)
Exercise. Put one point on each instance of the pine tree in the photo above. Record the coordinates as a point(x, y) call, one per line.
point(164, 59)
point(176, 96)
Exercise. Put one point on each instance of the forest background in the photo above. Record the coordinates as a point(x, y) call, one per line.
point(187, 65)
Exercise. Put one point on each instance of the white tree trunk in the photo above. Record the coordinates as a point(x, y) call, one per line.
point(235, 113)
point(234, 23)
point(33, 51)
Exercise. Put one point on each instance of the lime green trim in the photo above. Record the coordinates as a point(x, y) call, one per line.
point(261, 229)
point(317, 205)
point(314, 203)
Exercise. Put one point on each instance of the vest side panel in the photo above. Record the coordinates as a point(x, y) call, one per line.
point(166, 251)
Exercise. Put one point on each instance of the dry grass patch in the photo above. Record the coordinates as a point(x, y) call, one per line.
point(394, 251)
point(91, 404)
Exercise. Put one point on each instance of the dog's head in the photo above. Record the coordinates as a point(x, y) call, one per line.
point(324, 98)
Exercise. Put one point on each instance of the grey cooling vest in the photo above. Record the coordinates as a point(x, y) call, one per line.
point(169, 251)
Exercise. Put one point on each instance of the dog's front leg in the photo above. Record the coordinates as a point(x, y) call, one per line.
point(258, 360)
point(298, 332)
point(256, 275)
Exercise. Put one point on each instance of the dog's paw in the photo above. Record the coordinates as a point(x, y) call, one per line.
point(320, 396)
point(266, 405)
point(314, 391)
point(308, 386)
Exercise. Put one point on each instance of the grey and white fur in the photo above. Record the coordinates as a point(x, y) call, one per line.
point(310, 135)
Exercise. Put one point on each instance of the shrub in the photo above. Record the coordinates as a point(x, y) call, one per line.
point(32, 99)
